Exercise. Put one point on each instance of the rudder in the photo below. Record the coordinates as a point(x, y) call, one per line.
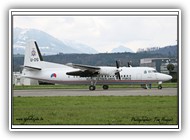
point(32, 54)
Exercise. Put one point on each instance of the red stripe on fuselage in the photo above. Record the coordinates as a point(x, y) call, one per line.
point(100, 81)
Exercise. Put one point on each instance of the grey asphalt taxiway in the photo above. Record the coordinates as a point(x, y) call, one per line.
point(98, 92)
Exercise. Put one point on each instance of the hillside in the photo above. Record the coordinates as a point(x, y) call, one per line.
point(102, 59)
point(48, 44)
point(170, 51)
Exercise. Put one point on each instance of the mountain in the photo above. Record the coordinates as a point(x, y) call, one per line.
point(48, 44)
point(170, 51)
point(121, 49)
point(83, 48)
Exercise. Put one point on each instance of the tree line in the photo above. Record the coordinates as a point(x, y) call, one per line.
point(101, 59)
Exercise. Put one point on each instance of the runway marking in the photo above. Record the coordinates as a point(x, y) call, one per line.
point(98, 92)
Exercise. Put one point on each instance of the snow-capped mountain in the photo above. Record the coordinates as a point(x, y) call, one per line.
point(48, 44)
point(83, 48)
point(121, 49)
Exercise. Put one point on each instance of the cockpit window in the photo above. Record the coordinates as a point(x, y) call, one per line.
point(154, 71)
point(150, 71)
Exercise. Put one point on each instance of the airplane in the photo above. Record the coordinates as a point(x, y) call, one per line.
point(36, 68)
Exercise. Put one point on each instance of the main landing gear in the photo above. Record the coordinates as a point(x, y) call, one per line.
point(105, 87)
point(93, 87)
point(93, 84)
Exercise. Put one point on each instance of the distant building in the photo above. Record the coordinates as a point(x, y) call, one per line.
point(160, 64)
point(18, 80)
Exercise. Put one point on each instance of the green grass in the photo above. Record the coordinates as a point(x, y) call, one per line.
point(101, 110)
point(165, 85)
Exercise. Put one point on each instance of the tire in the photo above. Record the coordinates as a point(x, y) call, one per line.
point(92, 87)
point(159, 86)
point(105, 87)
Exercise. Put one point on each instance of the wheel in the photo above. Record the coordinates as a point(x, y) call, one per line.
point(105, 87)
point(92, 87)
point(159, 86)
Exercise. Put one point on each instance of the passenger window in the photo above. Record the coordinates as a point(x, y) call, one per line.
point(145, 72)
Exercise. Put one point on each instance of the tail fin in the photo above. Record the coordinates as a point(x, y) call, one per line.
point(32, 55)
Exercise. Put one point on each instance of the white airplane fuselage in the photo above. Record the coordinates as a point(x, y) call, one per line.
point(130, 75)
point(36, 68)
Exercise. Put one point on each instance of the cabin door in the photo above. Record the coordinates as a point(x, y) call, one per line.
point(139, 76)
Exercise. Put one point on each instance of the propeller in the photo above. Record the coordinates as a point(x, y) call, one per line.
point(117, 73)
point(129, 64)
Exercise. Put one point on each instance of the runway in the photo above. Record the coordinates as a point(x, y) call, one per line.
point(98, 92)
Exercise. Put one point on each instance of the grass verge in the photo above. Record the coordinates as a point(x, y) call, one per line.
point(101, 110)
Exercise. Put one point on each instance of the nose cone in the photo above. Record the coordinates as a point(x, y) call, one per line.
point(168, 77)
point(164, 77)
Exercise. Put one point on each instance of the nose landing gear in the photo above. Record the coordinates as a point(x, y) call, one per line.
point(160, 85)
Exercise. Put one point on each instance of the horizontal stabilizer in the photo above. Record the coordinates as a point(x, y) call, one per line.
point(32, 68)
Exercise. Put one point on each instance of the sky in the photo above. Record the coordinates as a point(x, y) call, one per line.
point(103, 33)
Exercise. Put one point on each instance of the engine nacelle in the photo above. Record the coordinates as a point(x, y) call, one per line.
point(108, 71)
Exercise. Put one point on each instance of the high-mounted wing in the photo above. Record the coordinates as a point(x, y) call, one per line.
point(83, 67)
point(85, 70)
point(85, 73)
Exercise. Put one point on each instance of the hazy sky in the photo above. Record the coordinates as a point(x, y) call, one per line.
point(104, 33)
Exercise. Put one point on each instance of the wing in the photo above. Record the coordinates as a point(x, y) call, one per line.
point(83, 67)
point(85, 70)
